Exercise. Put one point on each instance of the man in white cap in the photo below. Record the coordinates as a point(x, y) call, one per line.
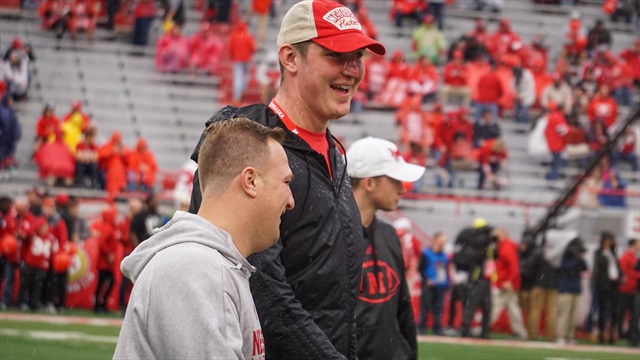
point(306, 285)
point(384, 317)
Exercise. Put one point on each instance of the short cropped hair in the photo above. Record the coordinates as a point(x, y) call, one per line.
point(230, 146)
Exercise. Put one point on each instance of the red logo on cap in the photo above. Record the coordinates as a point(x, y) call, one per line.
point(396, 154)
point(343, 19)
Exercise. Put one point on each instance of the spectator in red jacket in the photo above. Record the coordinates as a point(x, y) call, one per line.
point(555, 131)
point(603, 107)
point(141, 168)
point(630, 278)
point(395, 88)
point(502, 39)
point(205, 49)
point(423, 79)
point(455, 81)
point(377, 69)
point(632, 57)
point(508, 284)
point(36, 262)
point(457, 122)
point(413, 9)
point(87, 161)
point(172, 51)
point(53, 15)
point(575, 42)
point(493, 157)
point(111, 159)
point(107, 241)
point(55, 162)
point(620, 77)
point(241, 49)
point(413, 125)
point(489, 94)
point(47, 127)
point(83, 15)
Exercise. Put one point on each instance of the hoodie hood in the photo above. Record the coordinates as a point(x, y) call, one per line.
point(184, 228)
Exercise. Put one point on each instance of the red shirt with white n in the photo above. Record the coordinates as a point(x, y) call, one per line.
point(317, 141)
point(39, 249)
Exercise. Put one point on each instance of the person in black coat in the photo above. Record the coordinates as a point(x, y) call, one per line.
point(606, 278)
point(634, 330)
point(384, 317)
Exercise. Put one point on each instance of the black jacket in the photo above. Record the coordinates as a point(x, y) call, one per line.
point(384, 317)
point(600, 275)
point(546, 276)
point(306, 286)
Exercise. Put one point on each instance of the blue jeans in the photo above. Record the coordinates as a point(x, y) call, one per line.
point(622, 95)
point(7, 294)
point(521, 113)
point(440, 181)
point(631, 158)
point(556, 163)
point(432, 300)
point(481, 107)
point(141, 27)
point(437, 10)
point(240, 79)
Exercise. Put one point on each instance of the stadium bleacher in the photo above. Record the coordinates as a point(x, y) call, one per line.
point(121, 90)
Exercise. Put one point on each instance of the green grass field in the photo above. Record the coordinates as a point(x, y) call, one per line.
point(34, 340)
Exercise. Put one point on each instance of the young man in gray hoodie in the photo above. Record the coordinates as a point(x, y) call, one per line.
point(191, 297)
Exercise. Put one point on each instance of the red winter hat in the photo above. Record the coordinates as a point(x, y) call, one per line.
point(328, 24)
point(62, 199)
point(17, 43)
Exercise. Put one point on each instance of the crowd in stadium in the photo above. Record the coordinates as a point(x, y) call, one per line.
point(487, 271)
point(491, 272)
point(448, 101)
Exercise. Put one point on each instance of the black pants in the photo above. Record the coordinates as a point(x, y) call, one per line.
point(478, 295)
point(634, 331)
point(125, 291)
point(112, 9)
point(608, 305)
point(56, 289)
point(457, 294)
point(105, 280)
point(625, 304)
point(31, 286)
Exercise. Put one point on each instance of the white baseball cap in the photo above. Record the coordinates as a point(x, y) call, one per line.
point(371, 157)
point(327, 23)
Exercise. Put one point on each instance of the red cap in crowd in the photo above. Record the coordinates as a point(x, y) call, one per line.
point(62, 199)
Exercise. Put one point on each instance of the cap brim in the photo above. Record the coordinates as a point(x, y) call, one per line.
point(351, 41)
point(407, 173)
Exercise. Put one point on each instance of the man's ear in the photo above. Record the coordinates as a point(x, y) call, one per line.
point(288, 56)
point(248, 180)
point(368, 184)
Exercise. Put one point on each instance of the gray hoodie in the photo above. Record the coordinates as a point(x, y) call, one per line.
point(191, 297)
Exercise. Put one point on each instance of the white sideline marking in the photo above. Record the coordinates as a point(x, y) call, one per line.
point(60, 336)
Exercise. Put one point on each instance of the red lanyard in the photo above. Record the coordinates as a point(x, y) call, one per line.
point(283, 116)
